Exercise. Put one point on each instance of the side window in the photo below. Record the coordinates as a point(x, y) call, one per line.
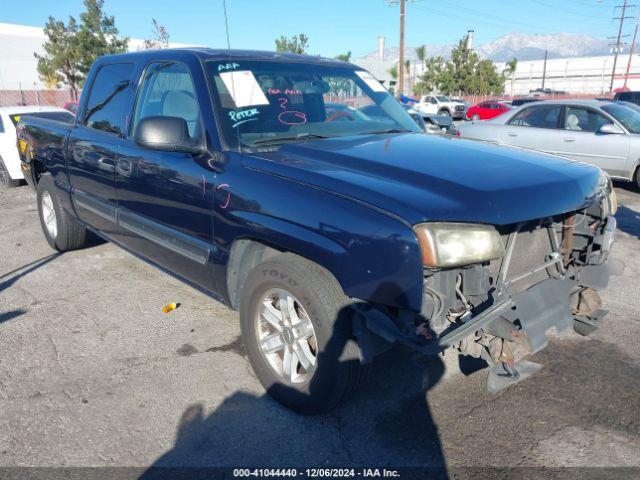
point(167, 90)
point(582, 119)
point(108, 104)
point(1, 126)
point(540, 116)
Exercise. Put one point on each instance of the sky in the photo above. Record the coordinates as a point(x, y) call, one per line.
point(334, 26)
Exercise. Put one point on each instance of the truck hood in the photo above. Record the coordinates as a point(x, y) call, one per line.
point(421, 178)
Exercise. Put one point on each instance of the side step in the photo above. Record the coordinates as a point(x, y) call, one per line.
point(586, 325)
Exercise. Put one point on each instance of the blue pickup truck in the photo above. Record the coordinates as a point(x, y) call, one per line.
point(334, 233)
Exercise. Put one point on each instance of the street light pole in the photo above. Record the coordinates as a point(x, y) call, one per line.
point(401, 59)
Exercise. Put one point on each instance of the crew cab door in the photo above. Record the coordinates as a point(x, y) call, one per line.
point(165, 199)
point(581, 140)
point(94, 142)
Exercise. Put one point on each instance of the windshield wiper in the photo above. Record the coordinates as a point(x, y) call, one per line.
point(390, 130)
point(285, 139)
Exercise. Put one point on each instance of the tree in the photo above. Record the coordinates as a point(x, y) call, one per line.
point(487, 80)
point(294, 44)
point(429, 81)
point(71, 48)
point(345, 57)
point(510, 71)
point(160, 37)
point(393, 71)
point(421, 52)
point(463, 61)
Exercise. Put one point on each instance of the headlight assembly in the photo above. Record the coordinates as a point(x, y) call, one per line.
point(454, 244)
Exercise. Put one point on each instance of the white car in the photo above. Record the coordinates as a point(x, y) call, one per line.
point(441, 105)
point(10, 171)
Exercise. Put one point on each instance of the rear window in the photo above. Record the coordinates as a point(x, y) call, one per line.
point(59, 116)
point(540, 116)
point(108, 104)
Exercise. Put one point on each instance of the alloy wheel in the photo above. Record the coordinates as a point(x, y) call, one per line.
point(49, 215)
point(286, 336)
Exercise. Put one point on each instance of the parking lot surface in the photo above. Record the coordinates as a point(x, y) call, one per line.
point(92, 373)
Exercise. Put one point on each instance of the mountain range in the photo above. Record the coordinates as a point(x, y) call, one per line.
point(517, 45)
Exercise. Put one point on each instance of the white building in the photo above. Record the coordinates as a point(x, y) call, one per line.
point(18, 65)
point(580, 75)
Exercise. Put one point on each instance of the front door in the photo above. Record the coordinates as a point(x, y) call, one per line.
point(581, 141)
point(94, 143)
point(165, 199)
point(536, 128)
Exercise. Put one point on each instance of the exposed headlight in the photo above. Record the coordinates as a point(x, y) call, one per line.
point(454, 244)
point(613, 202)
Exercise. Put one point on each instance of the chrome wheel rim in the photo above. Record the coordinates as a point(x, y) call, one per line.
point(286, 336)
point(49, 215)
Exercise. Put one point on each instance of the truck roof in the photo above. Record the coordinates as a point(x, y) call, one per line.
point(226, 54)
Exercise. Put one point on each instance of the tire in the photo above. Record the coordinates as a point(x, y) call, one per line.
point(62, 231)
point(637, 178)
point(319, 300)
point(444, 112)
point(475, 117)
point(6, 181)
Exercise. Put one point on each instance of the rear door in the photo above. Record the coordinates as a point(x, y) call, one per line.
point(94, 142)
point(581, 140)
point(536, 128)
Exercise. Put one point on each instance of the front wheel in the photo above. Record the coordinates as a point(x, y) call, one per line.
point(637, 178)
point(61, 230)
point(444, 112)
point(296, 327)
point(475, 117)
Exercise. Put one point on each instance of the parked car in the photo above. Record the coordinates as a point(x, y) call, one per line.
point(10, 172)
point(601, 133)
point(441, 124)
point(487, 110)
point(633, 97)
point(334, 239)
point(71, 106)
point(440, 105)
point(516, 102)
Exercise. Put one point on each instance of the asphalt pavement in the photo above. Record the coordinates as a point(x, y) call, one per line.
point(92, 373)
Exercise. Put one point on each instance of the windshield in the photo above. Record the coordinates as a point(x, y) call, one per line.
point(270, 103)
point(627, 114)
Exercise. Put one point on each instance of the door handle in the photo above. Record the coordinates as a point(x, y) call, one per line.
point(512, 134)
point(123, 167)
point(569, 139)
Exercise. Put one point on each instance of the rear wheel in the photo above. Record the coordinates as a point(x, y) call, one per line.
point(62, 231)
point(637, 178)
point(296, 326)
point(5, 179)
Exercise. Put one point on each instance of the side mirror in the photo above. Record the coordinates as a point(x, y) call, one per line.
point(168, 134)
point(610, 129)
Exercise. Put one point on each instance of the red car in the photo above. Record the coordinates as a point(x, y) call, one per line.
point(486, 110)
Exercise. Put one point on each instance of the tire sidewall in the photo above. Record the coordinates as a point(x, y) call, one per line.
point(8, 181)
point(333, 339)
point(475, 117)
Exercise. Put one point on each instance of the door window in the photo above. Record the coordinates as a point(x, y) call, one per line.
point(540, 116)
point(108, 104)
point(167, 90)
point(583, 119)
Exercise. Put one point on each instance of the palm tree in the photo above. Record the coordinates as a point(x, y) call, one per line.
point(510, 71)
point(421, 52)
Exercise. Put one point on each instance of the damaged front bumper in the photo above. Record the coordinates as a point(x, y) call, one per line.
point(504, 312)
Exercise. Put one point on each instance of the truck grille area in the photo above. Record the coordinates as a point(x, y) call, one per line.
point(532, 249)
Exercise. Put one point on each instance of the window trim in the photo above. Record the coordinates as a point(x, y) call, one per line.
point(83, 121)
point(130, 133)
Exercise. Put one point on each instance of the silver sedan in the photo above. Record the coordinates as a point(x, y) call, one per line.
point(602, 133)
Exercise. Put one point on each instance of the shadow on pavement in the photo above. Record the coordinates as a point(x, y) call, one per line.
point(18, 273)
point(628, 220)
point(391, 411)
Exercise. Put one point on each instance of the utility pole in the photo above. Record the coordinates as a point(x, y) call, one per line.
point(401, 59)
point(617, 47)
point(633, 47)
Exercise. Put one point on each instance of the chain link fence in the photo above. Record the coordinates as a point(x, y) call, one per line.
point(10, 97)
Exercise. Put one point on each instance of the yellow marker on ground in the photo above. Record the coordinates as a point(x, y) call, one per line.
point(169, 308)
